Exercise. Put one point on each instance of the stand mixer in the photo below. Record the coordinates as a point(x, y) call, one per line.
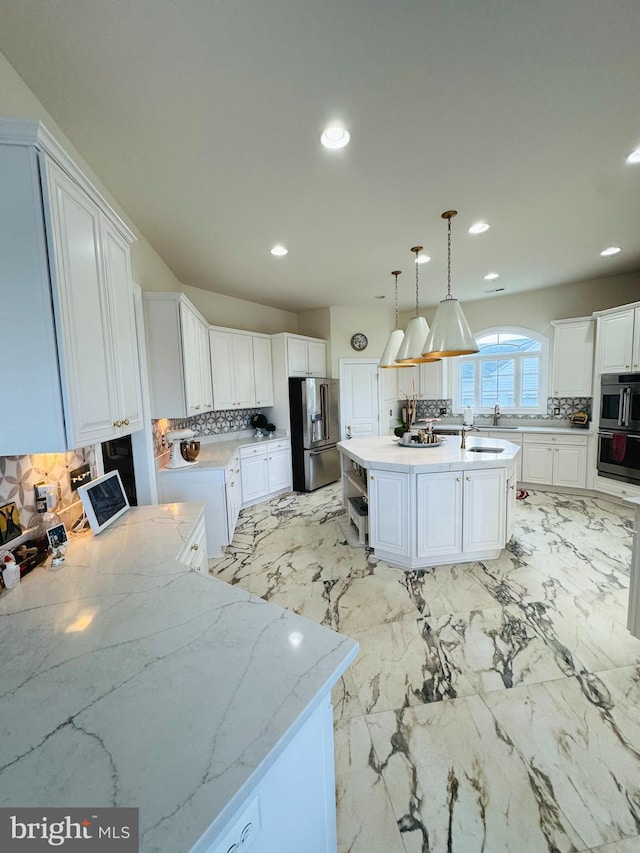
point(174, 437)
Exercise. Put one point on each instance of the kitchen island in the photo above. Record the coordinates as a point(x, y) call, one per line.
point(429, 506)
point(129, 680)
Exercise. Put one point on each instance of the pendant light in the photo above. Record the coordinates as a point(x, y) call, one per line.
point(395, 338)
point(413, 343)
point(450, 333)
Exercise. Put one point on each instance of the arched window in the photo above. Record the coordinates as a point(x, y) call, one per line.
point(510, 369)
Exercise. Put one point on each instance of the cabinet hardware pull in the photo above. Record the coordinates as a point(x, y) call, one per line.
point(117, 423)
point(126, 421)
point(372, 477)
point(458, 479)
point(468, 479)
point(194, 547)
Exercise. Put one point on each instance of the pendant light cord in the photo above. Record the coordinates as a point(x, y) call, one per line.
point(449, 261)
point(396, 274)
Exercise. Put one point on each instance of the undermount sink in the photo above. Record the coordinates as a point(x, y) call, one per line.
point(485, 449)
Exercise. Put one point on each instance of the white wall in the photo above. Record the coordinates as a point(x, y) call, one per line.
point(223, 310)
point(375, 321)
point(535, 309)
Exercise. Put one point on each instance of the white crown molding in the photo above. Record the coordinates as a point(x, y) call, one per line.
point(33, 133)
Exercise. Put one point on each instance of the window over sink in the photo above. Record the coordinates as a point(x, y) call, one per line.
point(509, 370)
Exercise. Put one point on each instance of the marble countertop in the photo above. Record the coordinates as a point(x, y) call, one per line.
point(128, 680)
point(215, 453)
point(386, 454)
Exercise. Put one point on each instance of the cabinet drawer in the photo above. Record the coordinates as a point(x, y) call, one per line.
point(194, 551)
point(541, 438)
point(252, 450)
point(282, 444)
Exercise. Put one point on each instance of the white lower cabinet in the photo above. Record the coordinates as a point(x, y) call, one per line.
point(460, 512)
point(233, 491)
point(292, 808)
point(194, 551)
point(512, 495)
point(459, 515)
point(207, 485)
point(389, 512)
point(559, 460)
point(265, 470)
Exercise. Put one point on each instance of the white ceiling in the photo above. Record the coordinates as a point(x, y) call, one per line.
point(202, 117)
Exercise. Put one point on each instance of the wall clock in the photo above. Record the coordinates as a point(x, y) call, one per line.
point(359, 341)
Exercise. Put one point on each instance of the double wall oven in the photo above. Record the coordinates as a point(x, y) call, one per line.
point(619, 428)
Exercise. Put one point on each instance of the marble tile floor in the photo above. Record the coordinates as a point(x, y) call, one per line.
point(494, 706)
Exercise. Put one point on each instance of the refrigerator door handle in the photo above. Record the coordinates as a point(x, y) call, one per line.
point(324, 410)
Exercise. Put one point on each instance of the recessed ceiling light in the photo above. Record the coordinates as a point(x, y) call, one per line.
point(279, 251)
point(335, 136)
point(423, 259)
point(610, 250)
point(634, 157)
point(478, 228)
point(491, 276)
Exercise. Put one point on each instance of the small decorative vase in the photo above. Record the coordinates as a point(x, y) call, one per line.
point(259, 433)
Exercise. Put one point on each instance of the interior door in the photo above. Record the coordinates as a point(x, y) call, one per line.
point(359, 409)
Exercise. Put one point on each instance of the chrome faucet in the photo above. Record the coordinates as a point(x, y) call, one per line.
point(496, 414)
point(463, 435)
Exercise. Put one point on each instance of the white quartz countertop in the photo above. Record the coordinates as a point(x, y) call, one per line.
point(218, 454)
point(383, 453)
point(552, 430)
point(129, 680)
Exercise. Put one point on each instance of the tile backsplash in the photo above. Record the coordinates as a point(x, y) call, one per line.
point(19, 474)
point(210, 423)
point(566, 405)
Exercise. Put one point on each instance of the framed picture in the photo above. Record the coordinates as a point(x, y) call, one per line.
point(9, 523)
point(57, 536)
point(104, 500)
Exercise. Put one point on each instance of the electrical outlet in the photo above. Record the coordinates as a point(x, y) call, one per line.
point(79, 475)
point(556, 411)
point(442, 411)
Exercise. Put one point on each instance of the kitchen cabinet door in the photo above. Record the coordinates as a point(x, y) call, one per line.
point(233, 487)
point(569, 466)
point(484, 509)
point(573, 358)
point(317, 358)
point(123, 329)
point(537, 463)
point(511, 498)
point(431, 380)
point(232, 370)
point(82, 312)
point(439, 513)
point(189, 322)
point(279, 467)
point(262, 370)
point(615, 341)
point(255, 477)
point(204, 358)
point(389, 516)
point(635, 353)
point(298, 356)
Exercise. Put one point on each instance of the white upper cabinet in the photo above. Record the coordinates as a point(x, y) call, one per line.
point(431, 380)
point(65, 277)
point(618, 340)
point(263, 370)
point(306, 356)
point(179, 369)
point(232, 370)
point(572, 358)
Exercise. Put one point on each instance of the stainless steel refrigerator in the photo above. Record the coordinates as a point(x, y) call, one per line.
point(315, 431)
